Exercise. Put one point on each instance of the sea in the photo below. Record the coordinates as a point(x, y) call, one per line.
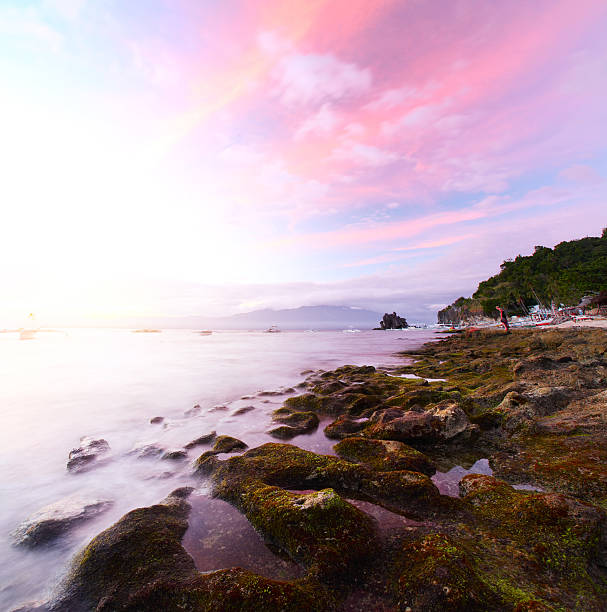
point(109, 383)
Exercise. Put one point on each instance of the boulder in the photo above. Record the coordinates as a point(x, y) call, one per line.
point(87, 454)
point(204, 439)
point(146, 450)
point(177, 454)
point(294, 423)
point(384, 455)
point(156, 420)
point(438, 424)
point(54, 520)
point(139, 564)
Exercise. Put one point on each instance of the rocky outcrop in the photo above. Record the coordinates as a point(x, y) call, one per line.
point(384, 455)
point(201, 440)
point(89, 454)
point(393, 321)
point(294, 423)
point(438, 424)
point(54, 520)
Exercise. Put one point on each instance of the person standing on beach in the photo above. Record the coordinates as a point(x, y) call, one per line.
point(504, 319)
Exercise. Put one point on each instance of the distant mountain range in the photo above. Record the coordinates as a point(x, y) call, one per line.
point(305, 317)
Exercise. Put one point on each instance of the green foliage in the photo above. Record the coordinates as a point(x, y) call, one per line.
point(563, 274)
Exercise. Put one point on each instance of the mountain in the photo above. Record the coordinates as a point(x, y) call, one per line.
point(305, 317)
point(564, 274)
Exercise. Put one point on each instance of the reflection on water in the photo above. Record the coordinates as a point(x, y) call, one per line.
point(219, 536)
point(448, 482)
point(109, 384)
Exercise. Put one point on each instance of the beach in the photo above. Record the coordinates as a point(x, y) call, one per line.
point(465, 474)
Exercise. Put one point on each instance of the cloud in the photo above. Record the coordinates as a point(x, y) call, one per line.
point(312, 79)
point(321, 122)
point(365, 155)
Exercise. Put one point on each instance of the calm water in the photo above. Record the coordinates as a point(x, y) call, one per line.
point(109, 383)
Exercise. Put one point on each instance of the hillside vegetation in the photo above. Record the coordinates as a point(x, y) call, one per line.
point(564, 274)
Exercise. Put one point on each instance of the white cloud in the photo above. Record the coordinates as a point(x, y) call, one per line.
point(365, 155)
point(321, 122)
point(312, 78)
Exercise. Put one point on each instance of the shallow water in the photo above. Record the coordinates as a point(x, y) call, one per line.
point(109, 383)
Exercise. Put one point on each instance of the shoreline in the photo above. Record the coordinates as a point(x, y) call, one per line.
point(532, 402)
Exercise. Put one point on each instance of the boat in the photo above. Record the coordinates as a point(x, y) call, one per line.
point(205, 332)
point(272, 330)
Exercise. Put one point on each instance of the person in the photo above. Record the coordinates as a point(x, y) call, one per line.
point(504, 319)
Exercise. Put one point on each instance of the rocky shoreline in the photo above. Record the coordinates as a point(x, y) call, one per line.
point(534, 403)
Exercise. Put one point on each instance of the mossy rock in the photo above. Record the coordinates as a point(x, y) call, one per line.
point(384, 455)
point(438, 574)
point(343, 427)
point(320, 530)
point(409, 493)
point(138, 564)
point(228, 444)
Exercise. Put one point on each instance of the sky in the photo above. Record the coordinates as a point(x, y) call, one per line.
point(180, 157)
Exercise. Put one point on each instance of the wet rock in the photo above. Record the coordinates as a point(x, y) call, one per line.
point(195, 410)
point(202, 440)
point(175, 455)
point(344, 426)
point(156, 420)
point(228, 444)
point(384, 455)
point(437, 573)
point(140, 564)
point(321, 530)
point(283, 465)
point(146, 450)
point(452, 419)
point(54, 520)
point(88, 454)
point(217, 408)
point(294, 423)
point(243, 410)
point(438, 424)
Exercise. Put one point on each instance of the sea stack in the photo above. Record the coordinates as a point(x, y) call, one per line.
point(393, 321)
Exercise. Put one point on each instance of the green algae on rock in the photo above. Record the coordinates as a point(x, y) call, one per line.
point(294, 423)
point(283, 465)
point(138, 564)
point(384, 455)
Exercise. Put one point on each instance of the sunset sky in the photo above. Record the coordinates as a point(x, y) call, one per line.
point(179, 157)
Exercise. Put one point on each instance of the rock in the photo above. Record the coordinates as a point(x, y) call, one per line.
point(294, 423)
point(437, 573)
point(344, 426)
point(156, 420)
point(145, 450)
point(393, 321)
point(228, 444)
point(439, 424)
point(320, 530)
point(217, 408)
point(54, 520)
point(452, 419)
point(204, 439)
point(87, 454)
point(175, 455)
point(140, 564)
point(243, 410)
point(190, 412)
point(384, 455)
point(288, 466)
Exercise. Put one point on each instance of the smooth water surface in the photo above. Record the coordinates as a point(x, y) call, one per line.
point(109, 383)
